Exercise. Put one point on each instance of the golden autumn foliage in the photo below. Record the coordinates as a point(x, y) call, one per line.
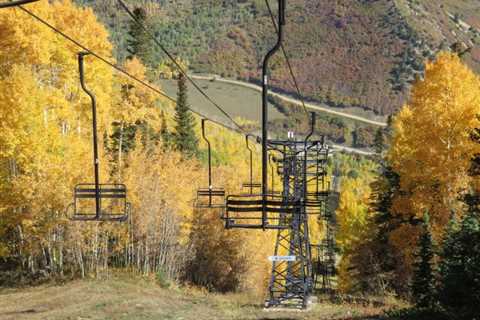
point(45, 150)
point(137, 103)
point(354, 217)
point(45, 131)
point(432, 146)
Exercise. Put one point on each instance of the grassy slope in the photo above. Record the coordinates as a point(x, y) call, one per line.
point(237, 101)
point(142, 299)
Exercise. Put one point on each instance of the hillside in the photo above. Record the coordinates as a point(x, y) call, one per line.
point(344, 52)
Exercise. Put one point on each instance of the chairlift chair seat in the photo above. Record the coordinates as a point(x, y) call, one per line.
point(113, 203)
point(210, 198)
point(252, 187)
point(246, 211)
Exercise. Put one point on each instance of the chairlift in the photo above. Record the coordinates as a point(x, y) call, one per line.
point(314, 201)
point(253, 212)
point(209, 197)
point(96, 201)
point(318, 198)
point(250, 186)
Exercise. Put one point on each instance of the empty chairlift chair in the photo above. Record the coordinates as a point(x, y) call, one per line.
point(317, 174)
point(251, 187)
point(209, 197)
point(96, 201)
point(259, 212)
point(312, 168)
point(260, 208)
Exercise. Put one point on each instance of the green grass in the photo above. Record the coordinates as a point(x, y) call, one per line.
point(237, 101)
point(245, 103)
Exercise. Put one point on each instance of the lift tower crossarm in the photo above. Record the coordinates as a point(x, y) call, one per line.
point(96, 161)
point(270, 54)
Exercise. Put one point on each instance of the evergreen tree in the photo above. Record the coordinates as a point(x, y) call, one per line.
point(184, 137)
point(139, 44)
point(460, 267)
point(123, 137)
point(383, 189)
point(423, 286)
point(379, 141)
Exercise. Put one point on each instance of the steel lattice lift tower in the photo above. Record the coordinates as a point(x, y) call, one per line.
point(301, 165)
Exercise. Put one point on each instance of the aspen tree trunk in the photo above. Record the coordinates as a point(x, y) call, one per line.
point(20, 249)
point(106, 254)
point(147, 253)
point(138, 254)
point(54, 248)
point(60, 257)
point(95, 251)
point(31, 264)
point(48, 253)
point(131, 244)
point(81, 262)
point(12, 168)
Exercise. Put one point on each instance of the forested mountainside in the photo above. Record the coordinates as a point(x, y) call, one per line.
point(362, 53)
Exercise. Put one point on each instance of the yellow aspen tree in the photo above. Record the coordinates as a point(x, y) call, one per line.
point(432, 147)
point(46, 136)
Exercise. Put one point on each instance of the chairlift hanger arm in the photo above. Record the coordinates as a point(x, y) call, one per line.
point(272, 161)
point(312, 126)
point(251, 160)
point(96, 162)
point(249, 135)
point(16, 3)
point(270, 54)
point(209, 154)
